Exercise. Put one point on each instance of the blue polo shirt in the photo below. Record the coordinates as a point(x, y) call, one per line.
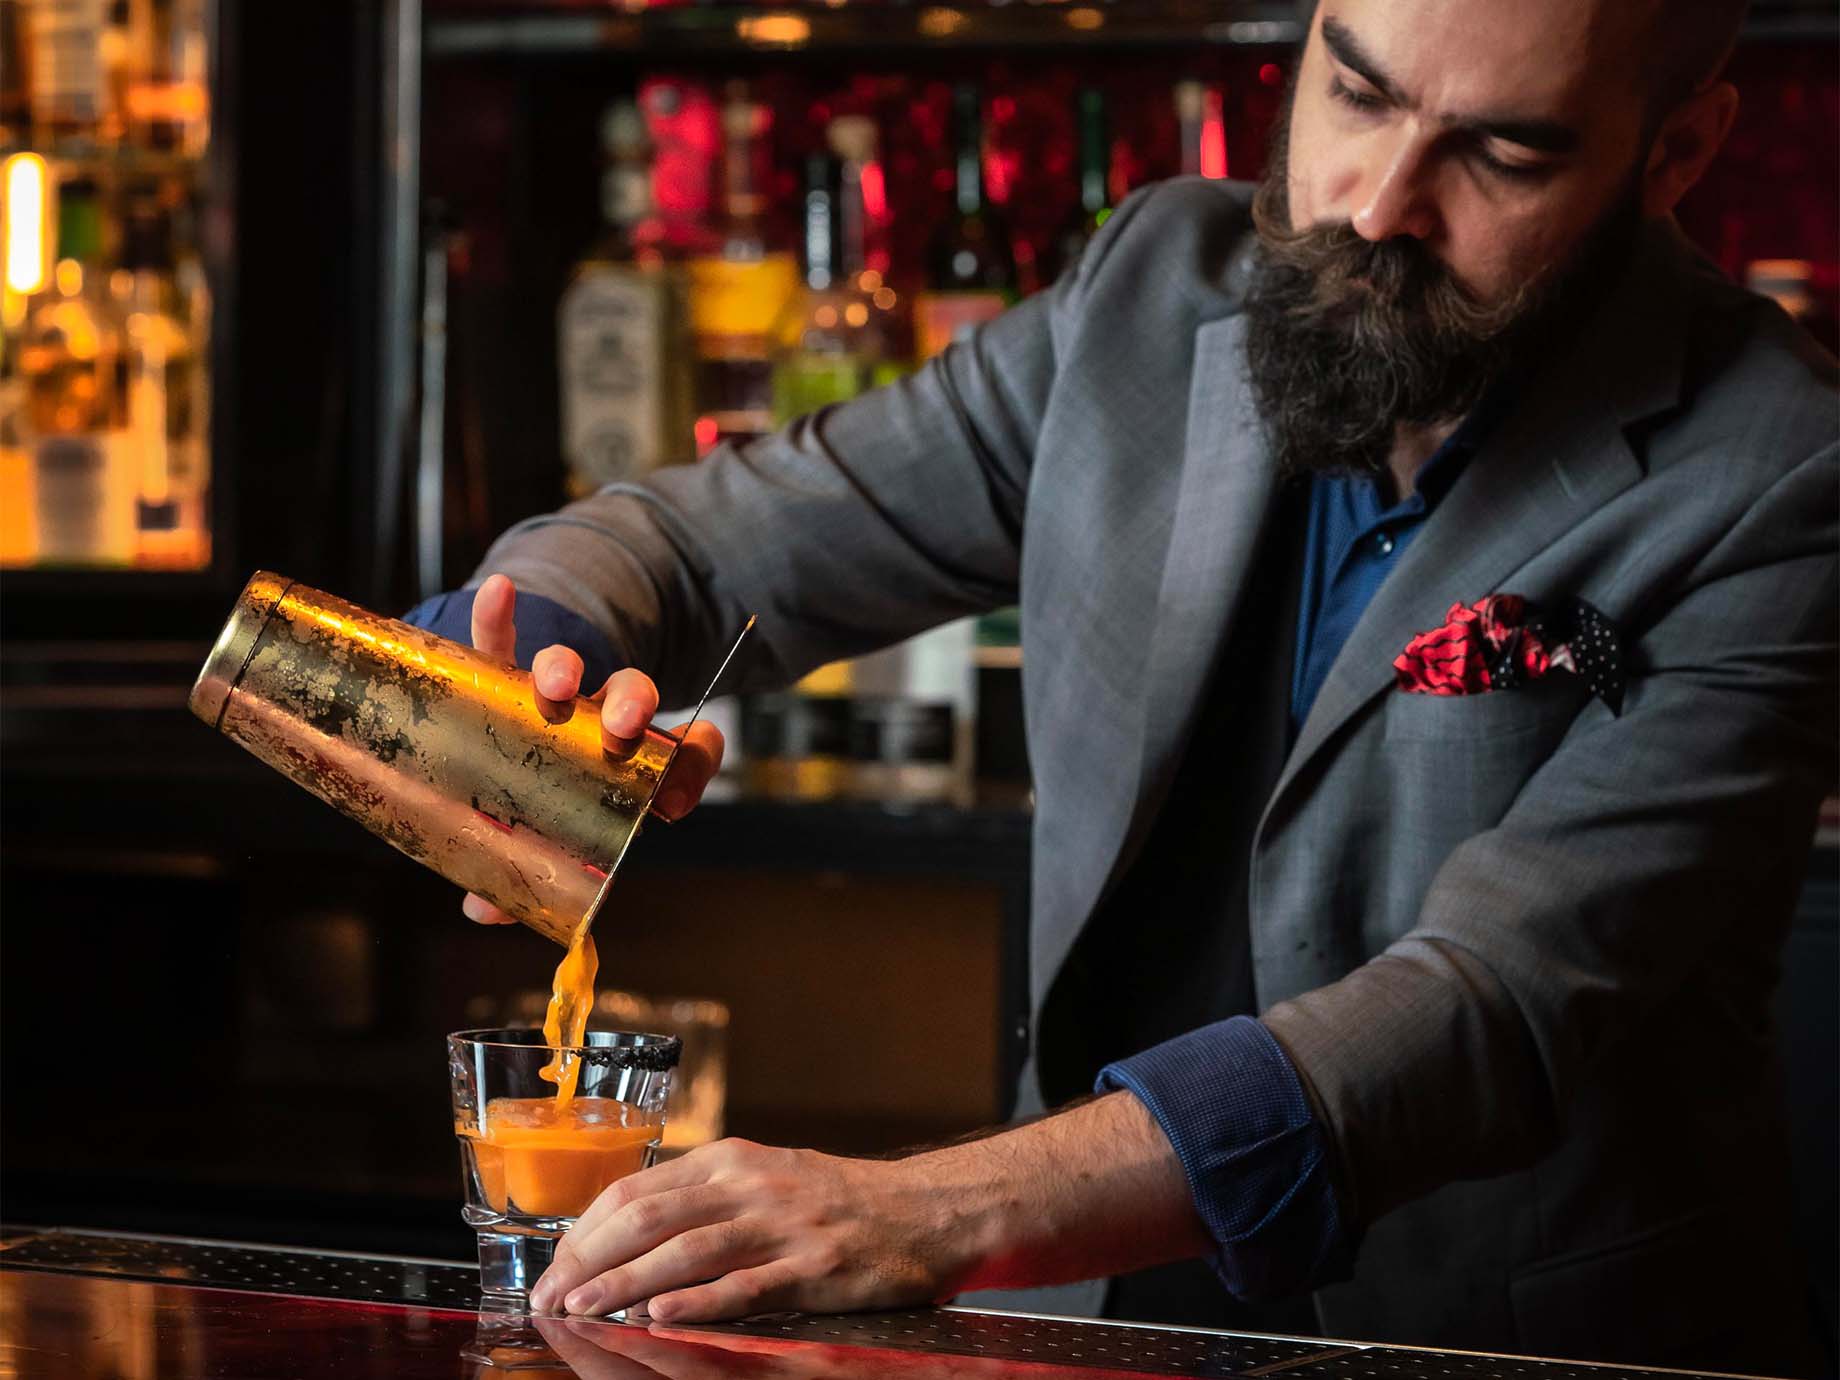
point(1255, 1157)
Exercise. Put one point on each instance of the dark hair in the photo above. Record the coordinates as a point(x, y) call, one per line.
point(1688, 42)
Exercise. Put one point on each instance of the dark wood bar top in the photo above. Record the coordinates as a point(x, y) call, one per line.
point(80, 1305)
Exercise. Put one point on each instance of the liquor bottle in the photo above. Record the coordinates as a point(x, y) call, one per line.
point(68, 93)
point(82, 461)
point(739, 288)
point(1202, 129)
point(623, 345)
point(852, 138)
point(159, 364)
point(971, 272)
point(1095, 203)
point(833, 343)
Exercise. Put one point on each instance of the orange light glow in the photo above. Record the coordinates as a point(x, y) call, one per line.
point(941, 23)
point(774, 30)
point(706, 432)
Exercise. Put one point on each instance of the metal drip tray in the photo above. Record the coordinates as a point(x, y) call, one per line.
point(263, 1269)
point(1158, 1350)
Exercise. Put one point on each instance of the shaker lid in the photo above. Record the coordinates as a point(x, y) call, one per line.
point(223, 668)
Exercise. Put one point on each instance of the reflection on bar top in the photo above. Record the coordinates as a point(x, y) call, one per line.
point(174, 1307)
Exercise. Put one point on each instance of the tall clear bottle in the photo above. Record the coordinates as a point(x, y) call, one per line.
point(160, 364)
point(623, 342)
point(834, 342)
point(971, 270)
point(1095, 193)
point(739, 288)
point(71, 362)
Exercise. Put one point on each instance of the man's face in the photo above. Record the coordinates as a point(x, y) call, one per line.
point(1495, 133)
point(1453, 183)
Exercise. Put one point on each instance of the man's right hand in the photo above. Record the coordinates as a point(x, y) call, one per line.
point(628, 700)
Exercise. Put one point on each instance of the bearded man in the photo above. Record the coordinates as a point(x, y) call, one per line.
point(1452, 1008)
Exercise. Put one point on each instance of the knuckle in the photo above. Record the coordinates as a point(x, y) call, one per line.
point(644, 1216)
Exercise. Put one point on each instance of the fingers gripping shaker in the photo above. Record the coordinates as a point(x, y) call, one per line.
point(442, 751)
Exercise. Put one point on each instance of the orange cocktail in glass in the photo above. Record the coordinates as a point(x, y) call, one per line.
point(534, 1160)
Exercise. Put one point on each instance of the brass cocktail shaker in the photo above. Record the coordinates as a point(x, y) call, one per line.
point(439, 749)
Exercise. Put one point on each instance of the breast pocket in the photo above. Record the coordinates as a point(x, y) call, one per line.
point(1455, 764)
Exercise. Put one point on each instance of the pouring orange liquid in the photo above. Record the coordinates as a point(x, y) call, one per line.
point(566, 1021)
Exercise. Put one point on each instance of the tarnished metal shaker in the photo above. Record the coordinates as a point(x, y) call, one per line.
point(439, 749)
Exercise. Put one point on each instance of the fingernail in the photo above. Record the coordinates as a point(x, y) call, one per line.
point(473, 908)
point(542, 1295)
point(671, 804)
point(629, 718)
point(586, 1299)
point(662, 1309)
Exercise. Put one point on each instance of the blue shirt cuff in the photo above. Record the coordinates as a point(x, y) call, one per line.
point(541, 623)
point(1255, 1157)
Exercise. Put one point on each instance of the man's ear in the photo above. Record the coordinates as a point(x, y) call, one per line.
point(1686, 142)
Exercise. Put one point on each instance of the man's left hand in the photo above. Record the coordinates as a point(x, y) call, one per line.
point(736, 1228)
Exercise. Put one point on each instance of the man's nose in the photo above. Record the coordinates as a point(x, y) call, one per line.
point(1397, 200)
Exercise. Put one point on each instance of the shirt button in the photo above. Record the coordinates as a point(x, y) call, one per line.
point(1384, 543)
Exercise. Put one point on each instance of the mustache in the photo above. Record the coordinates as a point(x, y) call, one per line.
point(1375, 291)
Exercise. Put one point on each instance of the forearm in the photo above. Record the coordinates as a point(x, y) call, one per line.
point(1090, 1191)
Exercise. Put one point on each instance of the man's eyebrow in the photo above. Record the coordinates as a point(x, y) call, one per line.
point(1543, 136)
point(1348, 51)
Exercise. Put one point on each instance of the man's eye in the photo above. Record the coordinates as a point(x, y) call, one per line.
point(1354, 100)
point(1514, 172)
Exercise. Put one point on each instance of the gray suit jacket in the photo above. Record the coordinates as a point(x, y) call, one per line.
point(1520, 950)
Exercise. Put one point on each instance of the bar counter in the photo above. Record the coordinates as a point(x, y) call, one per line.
point(77, 1305)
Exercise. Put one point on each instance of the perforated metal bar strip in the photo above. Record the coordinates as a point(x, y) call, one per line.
point(1162, 1350)
point(265, 1269)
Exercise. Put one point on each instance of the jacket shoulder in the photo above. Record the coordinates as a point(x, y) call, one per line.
point(1179, 244)
point(1754, 384)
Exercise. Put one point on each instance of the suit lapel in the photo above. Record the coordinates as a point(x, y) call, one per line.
point(1225, 498)
point(1562, 454)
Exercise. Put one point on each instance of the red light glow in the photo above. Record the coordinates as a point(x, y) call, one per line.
point(874, 192)
point(1214, 138)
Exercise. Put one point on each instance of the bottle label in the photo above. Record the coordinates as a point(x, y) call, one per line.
point(86, 497)
point(744, 297)
point(612, 344)
point(941, 318)
point(66, 60)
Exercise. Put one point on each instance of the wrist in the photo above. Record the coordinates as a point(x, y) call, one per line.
point(967, 1216)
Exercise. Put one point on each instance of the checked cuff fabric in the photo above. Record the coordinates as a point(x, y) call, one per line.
point(1255, 1157)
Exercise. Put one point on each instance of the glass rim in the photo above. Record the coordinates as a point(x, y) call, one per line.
point(643, 1050)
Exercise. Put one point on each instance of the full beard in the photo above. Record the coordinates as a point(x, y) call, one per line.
point(1348, 340)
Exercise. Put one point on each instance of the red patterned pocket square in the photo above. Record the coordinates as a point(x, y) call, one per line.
point(1503, 641)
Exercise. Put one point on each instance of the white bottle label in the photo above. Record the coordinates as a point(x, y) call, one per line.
point(86, 498)
point(610, 352)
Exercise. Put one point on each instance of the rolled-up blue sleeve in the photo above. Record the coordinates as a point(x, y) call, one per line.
point(541, 623)
point(1255, 1156)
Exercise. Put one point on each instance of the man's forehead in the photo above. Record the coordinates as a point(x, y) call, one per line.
point(1534, 59)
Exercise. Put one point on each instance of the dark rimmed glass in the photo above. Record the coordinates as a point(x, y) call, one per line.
point(530, 1170)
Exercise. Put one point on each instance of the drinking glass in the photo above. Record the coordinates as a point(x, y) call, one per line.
point(531, 1165)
